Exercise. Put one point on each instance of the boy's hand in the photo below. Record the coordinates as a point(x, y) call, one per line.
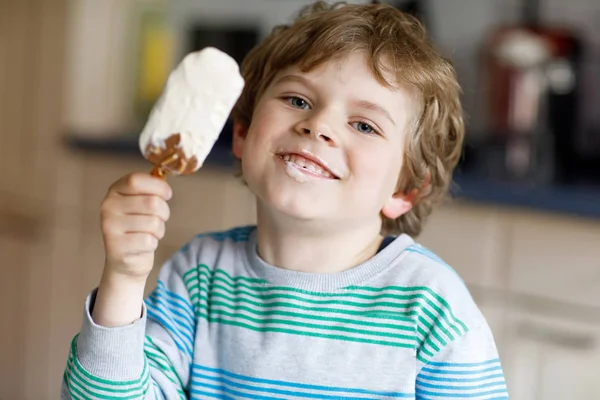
point(133, 216)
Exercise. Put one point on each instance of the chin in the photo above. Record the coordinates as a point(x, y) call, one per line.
point(295, 204)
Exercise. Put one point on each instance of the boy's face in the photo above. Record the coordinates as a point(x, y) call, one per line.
point(327, 145)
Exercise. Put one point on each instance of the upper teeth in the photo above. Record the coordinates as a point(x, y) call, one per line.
point(302, 162)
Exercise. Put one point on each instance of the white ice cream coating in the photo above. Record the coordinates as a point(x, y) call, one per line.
point(294, 173)
point(196, 102)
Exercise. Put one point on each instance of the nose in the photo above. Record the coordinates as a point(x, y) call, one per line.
point(317, 134)
point(316, 128)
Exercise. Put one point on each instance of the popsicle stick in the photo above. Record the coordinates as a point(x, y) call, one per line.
point(160, 171)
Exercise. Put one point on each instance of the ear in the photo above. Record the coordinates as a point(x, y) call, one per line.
point(399, 204)
point(239, 136)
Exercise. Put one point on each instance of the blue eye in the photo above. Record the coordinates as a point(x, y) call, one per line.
point(298, 102)
point(363, 127)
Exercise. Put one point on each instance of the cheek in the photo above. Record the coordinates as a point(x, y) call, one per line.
point(377, 168)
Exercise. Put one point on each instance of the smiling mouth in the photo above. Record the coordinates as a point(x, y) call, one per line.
point(307, 166)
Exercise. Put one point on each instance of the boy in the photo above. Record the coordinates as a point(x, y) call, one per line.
point(349, 127)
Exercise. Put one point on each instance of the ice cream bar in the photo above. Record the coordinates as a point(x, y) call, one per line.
point(191, 112)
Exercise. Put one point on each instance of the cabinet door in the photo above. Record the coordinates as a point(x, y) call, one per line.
point(472, 240)
point(569, 373)
point(551, 359)
point(13, 302)
point(556, 258)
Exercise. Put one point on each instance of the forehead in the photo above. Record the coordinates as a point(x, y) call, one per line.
point(347, 65)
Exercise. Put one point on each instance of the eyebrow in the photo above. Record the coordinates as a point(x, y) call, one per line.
point(374, 107)
point(294, 78)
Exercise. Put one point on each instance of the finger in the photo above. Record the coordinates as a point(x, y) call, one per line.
point(142, 184)
point(137, 224)
point(132, 244)
point(137, 205)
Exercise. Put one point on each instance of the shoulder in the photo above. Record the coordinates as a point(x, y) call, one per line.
point(420, 267)
point(444, 308)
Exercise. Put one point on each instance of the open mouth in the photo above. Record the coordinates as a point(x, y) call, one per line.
point(307, 166)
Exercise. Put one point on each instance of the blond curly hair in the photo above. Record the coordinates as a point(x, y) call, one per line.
point(392, 39)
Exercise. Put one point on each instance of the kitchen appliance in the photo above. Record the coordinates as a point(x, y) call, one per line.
point(533, 83)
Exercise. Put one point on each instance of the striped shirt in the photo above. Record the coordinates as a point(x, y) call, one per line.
point(224, 324)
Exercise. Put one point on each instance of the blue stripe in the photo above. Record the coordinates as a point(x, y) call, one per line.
point(162, 303)
point(213, 395)
point(415, 248)
point(430, 256)
point(231, 391)
point(464, 365)
point(184, 348)
point(158, 300)
point(229, 382)
point(470, 372)
point(157, 391)
point(426, 252)
point(300, 385)
point(184, 304)
point(459, 395)
point(184, 331)
point(459, 380)
point(461, 387)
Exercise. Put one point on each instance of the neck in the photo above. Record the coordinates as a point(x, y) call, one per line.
point(305, 247)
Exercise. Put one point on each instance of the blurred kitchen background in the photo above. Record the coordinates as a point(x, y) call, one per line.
point(78, 77)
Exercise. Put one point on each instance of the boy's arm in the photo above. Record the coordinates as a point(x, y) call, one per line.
point(148, 358)
point(468, 367)
point(126, 349)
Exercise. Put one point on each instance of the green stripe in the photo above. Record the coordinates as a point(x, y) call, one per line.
point(257, 293)
point(310, 315)
point(191, 286)
point(80, 395)
point(234, 290)
point(311, 326)
point(427, 340)
point(361, 313)
point(235, 293)
point(154, 353)
point(412, 304)
point(73, 393)
point(403, 315)
point(410, 288)
point(154, 363)
point(139, 382)
point(428, 330)
point(437, 323)
point(112, 394)
point(290, 331)
point(369, 324)
point(160, 367)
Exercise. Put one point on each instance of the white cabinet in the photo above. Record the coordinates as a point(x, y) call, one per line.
point(551, 358)
point(472, 240)
point(556, 258)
